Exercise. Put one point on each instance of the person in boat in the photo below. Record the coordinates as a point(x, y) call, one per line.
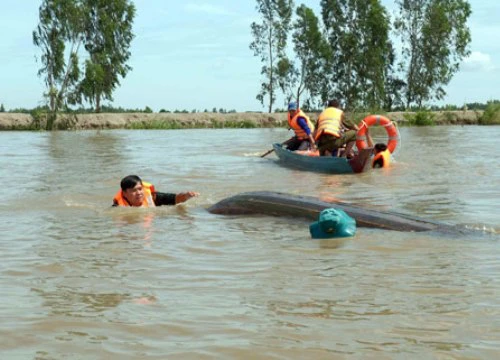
point(135, 192)
point(334, 132)
point(303, 127)
point(382, 156)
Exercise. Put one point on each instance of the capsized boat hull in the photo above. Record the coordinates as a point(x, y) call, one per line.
point(281, 204)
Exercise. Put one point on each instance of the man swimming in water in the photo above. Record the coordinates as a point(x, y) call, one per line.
point(135, 192)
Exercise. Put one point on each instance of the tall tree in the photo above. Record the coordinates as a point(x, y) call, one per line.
point(394, 85)
point(108, 35)
point(59, 25)
point(269, 43)
point(287, 77)
point(358, 35)
point(435, 39)
point(376, 53)
point(311, 49)
point(97, 30)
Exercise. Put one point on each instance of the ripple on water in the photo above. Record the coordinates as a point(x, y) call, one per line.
point(81, 278)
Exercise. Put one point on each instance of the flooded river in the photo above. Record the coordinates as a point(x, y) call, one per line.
point(81, 280)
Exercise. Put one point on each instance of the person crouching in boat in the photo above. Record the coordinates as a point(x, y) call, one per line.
point(382, 158)
point(135, 192)
point(303, 127)
point(333, 131)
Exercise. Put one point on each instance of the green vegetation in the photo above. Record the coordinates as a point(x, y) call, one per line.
point(435, 38)
point(420, 118)
point(491, 115)
point(107, 35)
point(360, 58)
point(167, 120)
point(308, 42)
point(269, 43)
point(177, 124)
point(66, 28)
point(39, 116)
point(156, 125)
point(347, 52)
point(450, 117)
point(119, 110)
point(352, 55)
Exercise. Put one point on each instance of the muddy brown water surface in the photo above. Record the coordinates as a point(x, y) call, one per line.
point(83, 281)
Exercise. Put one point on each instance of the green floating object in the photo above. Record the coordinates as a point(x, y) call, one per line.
point(333, 223)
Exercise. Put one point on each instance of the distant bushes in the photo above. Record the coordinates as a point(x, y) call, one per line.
point(40, 118)
point(491, 115)
point(108, 108)
point(156, 125)
point(421, 118)
point(176, 124)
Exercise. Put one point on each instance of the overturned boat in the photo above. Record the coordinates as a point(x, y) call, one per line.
point(282, 204)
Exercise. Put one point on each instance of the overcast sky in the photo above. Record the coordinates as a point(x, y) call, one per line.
point(195, 55)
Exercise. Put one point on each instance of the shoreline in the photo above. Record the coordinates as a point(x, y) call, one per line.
point(20, 121)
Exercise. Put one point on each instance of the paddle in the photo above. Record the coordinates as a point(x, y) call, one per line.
point(267, 153)
point(270, 151)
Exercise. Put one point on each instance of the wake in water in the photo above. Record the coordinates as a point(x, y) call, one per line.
point(254, 154)
point(483, 228)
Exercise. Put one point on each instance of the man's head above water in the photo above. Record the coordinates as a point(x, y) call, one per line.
point(132, 189)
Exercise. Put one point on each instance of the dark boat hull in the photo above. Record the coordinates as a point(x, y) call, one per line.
point(324, 164)
point(280, 204)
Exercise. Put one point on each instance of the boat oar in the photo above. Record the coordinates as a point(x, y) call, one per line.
point(267, 153)
point(270, 151)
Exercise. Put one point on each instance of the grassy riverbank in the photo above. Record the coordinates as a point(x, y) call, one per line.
point(18, 121)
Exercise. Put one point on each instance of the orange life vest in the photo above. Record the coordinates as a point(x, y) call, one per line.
point(299, 132)
point(383, 157)
point(148, 201)
point(329, 122)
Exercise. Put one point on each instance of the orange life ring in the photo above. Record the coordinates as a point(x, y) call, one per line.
point(372, 120)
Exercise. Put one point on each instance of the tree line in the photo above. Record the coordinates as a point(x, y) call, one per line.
point(356, 52)
point(353, 51)
point(116, 110)
point(474, 106)
point(85, 46)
